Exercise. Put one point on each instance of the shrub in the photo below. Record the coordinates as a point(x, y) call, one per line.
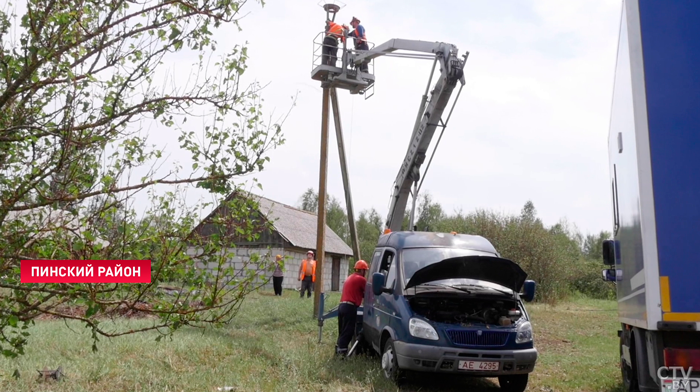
point(586, 278)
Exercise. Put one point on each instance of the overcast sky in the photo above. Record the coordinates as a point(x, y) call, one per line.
point(530, 124)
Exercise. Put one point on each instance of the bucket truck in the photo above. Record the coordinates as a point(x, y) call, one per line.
point(435, 302)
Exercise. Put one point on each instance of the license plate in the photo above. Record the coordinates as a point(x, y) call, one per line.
point(681, 385)
point(478, 366)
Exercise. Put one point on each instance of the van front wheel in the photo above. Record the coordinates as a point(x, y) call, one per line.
point(514, 383)
point(390, 364)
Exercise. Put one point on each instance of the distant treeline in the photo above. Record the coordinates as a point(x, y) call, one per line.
point(559, 258)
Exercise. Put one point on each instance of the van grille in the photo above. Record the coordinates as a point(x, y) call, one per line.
point(473, 338)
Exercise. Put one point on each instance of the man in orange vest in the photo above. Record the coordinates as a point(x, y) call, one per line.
point(307, 274)
point(334, 32)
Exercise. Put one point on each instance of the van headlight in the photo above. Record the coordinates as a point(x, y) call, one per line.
point(524, 333)
point(421, 329)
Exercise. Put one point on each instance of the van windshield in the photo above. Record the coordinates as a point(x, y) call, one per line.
point(414, 259)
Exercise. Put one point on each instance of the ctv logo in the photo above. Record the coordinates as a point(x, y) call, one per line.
point(674, 383)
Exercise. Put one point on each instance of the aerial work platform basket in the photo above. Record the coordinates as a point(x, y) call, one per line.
point(344, 74)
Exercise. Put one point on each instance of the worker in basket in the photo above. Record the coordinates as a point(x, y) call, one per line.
point(350, 300)
point(359, 39)
point(334, 32)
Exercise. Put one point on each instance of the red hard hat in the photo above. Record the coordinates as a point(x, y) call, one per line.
point(361, 264)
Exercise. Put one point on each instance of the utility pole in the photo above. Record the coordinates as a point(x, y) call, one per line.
point(321, 222)
point(331, 9)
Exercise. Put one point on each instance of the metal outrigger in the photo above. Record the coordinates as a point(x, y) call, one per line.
point(357, 339)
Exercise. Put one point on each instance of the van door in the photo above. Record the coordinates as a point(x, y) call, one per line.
point(384, 307)
point(368, 321)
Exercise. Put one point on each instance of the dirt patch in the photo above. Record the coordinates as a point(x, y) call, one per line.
point(266, 294)
point(67, 310)
point(139, 310)
point(551, 343)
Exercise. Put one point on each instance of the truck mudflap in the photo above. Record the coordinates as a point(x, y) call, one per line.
point(480, 363)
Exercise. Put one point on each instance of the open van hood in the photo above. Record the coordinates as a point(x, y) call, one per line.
point(487, 268)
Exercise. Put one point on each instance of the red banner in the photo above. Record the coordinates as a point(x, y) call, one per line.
point(85, 271)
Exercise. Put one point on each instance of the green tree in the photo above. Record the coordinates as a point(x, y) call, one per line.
point(559, 257)
point(309, 201)
point(109, 216)
point(529, 214)
point(593, 245)
point(406, 221)
point(336, 217)
point(369, 228)
point(429, 214)
point(78, 80)
point(547, 255)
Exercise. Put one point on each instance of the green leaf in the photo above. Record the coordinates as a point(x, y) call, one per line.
point(174, 33)
point(91, 310)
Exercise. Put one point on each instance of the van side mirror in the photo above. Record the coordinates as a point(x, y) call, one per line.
point(377, 283)
point(609, 252)
point(529, 290)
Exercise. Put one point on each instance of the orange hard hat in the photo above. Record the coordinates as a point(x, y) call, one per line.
point(361, 264)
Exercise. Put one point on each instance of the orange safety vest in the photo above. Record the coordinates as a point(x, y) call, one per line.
point(336, 31)
point(313, 270)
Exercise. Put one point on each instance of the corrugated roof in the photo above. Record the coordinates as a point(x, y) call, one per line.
point(299, 226)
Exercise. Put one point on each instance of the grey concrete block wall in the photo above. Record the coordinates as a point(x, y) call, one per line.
point(239, 259)
point(293, 261)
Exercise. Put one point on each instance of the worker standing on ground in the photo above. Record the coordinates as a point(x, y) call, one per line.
point(359, 38)
point(278, 276)
point(307, 273)
point(350, 300)
point(334, 32)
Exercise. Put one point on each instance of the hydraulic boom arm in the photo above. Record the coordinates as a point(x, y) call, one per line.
point(429, 114)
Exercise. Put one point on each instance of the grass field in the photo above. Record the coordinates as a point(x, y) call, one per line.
point(273, 346)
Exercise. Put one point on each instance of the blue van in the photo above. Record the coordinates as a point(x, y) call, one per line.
point(447, 302)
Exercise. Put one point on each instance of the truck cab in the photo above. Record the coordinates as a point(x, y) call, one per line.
point(447, 302)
